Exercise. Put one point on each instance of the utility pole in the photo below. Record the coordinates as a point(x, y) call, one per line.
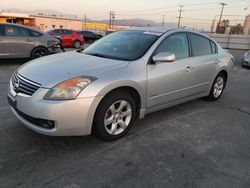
point(222, 9)
point(163, 20)
point(85, 20)
point(113, 19)
point(179, 18)
point(110, 18)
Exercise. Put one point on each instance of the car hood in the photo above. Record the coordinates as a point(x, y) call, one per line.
point(51, 70)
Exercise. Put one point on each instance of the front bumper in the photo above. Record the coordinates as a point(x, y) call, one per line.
point(70, 118)
point(246, 62)
point(55, 49)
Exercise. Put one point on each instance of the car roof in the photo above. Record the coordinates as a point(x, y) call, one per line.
point(162, 30)
point(152, 29)
point(23, 26)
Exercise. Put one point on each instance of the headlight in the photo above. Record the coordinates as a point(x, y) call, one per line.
point(70, 89)
point(247, 54)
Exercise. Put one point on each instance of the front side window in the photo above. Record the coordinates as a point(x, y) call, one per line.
point(200, 45)
point(176, 44)
point(13, 31)
point(123, 45)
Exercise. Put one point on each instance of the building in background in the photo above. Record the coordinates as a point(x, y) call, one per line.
point(45, 22)
point(17, 18)
point(247, 25)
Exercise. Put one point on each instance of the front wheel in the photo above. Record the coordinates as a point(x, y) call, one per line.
point(217, 87)
point(114, 116)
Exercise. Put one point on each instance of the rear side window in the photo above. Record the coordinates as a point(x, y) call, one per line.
point(214, 47)
point(176, 44)
point(14, 31)
point(200, 45)
point(57, 32)
point(34, 34)
point(88, 34)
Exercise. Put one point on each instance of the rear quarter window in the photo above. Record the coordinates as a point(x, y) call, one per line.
point(214, 47)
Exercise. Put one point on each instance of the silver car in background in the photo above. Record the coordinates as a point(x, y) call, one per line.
point(18, 41)
point(121, 77)
point(246, 59)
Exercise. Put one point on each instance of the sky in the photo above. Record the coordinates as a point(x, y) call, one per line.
point(196, 13)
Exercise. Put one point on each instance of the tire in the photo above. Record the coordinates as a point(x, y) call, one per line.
point(118, 109)
point(242, 63)
point(39, 52)
point(217, 87)
point(76, 44)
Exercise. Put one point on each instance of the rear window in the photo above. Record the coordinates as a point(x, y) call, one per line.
point(200, 45)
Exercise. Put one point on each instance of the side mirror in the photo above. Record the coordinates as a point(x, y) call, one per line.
point(164, 57)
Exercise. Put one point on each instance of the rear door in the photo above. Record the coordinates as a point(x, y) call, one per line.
point(17, 43)
point(2, 53)
point(67, 37)
point(204, 62)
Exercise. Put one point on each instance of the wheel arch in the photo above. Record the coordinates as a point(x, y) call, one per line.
point(40, 46)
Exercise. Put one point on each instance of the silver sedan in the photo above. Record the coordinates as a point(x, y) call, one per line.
point(246, 59)
point(123, 76)
point(18, 41)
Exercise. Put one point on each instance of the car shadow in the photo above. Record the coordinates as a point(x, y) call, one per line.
point(3, 62)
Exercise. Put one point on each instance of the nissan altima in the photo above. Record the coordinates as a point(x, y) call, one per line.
point(103, 89)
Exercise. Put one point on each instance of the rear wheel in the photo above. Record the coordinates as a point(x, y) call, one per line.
point(39, 52)
point(76, 44)
point(217, 87)
point(114, 116)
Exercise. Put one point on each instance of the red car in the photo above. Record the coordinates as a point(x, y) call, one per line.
point(69, 37)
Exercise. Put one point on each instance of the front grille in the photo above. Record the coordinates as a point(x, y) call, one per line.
point(23, 85)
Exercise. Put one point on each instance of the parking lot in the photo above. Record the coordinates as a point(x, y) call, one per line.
point(196, 144)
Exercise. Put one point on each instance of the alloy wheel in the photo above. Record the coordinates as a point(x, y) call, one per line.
point(118, 117)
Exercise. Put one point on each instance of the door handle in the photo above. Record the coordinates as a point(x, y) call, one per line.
point(216, 61)
point(189, 69)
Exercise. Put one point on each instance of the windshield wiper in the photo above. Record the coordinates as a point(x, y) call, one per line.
point(106, 56)
point(97, 55)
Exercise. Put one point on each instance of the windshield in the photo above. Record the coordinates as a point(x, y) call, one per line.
point(123, 45)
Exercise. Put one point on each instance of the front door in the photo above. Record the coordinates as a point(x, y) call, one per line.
point(17, 43)
point(170, 82)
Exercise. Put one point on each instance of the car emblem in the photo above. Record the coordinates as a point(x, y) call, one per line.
point(16, 84)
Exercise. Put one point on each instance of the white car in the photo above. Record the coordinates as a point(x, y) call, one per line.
point(246, 59)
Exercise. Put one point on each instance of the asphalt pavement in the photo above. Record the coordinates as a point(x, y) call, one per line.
point(196, 144)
